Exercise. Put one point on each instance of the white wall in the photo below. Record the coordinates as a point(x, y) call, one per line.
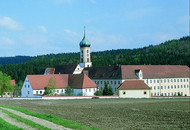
point(27, 90)
point(134, 94)
point(89, 91)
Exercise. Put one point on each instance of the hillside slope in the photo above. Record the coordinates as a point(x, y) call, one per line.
point(173, 52)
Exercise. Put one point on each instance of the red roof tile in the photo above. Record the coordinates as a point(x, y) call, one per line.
point(155, 71)
point(133, 84)
point(13, 82)
point(41, 81)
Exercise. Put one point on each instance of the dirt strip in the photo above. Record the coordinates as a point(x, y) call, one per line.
point(15, 122)
point(37, 120)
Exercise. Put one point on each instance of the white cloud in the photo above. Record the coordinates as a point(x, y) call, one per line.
point(70, 32)
point(42, 29)
point(9, 23)
point(5, 41)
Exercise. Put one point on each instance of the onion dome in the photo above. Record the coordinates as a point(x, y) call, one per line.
point(84, 42)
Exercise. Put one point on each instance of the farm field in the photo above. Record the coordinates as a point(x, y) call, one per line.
point(114, 113)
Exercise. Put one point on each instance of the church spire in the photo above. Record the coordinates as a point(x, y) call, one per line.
point(84, 31)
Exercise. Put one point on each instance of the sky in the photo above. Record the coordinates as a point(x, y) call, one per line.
point(37, 27)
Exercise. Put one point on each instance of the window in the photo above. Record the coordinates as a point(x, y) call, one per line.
point(36, 92)
point(115, 89)
point(87, 51)
point(161, 87)
point(177, 80)
point(154, 94)
point(164, 81)
point(174, 86)
point(178, 86)
point(28, 92)
point(124, 93)
point(168, 80)
point(181, 93)
point(174, 80)
point(151, 87)
point(184, 80)
point(158, 94)
point(164, 87)
point(107, 82)
point(57, 91)
point(115, 82)
point(161, 80)
point(169, 87)
point(171, 80)
point(154, 81)
point(172, 94)
point(81, 51)
point(158, 87)
point(147, 81)
point(111, 82)
point(168, 94)
point(165, 94)
point(181, 80)
point(187, 86)
point(28, 86)
point(150, 81)
point(157, 81)
point(87, 89)
point(62, 90)
point(144, 92)
point(184, 86)
point(154, 87)
point(181, 86)
point(88, 60)
point(118, 82)
point(25, 86)
point(187, 80)
point(40, 92)
point(101, 82)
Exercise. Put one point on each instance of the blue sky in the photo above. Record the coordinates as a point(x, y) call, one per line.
point(36, 27)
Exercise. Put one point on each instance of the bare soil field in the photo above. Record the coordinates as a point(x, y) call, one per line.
point(114, 113)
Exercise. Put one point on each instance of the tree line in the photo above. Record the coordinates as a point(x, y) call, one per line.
point(173, 52)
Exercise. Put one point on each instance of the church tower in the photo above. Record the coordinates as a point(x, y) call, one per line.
point(85, 59)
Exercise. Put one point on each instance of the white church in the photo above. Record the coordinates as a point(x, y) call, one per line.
point(146, 80)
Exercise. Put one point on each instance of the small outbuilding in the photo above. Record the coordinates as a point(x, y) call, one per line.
point(134, 89)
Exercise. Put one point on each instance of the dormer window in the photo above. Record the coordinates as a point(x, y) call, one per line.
point(139, 74)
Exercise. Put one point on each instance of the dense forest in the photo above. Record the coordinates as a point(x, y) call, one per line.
point(173, 52)
point(14, 60)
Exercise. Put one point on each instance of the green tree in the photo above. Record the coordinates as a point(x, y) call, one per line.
point(69, 91)
point(17, 88)
point(107, 90)
point(50, 88)
point(5, 83)
point(98, 93)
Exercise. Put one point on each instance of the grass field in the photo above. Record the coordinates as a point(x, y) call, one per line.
point(115, 113)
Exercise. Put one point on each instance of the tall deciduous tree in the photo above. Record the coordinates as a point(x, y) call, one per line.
point(5, 83)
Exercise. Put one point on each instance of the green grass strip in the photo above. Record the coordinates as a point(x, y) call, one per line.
point(7, 126)
point(54, 119)
point(24, 120)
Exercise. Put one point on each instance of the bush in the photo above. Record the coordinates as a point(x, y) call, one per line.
point(107, 90)
point(98, 93)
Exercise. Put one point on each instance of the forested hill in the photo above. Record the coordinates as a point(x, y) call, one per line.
point(173, 52)
point(14, 60)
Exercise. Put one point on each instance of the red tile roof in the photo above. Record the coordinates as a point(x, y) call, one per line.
point(13, 82)
point(41, 81)
point(133, 84)
point(155, 71)
point(75, 81)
